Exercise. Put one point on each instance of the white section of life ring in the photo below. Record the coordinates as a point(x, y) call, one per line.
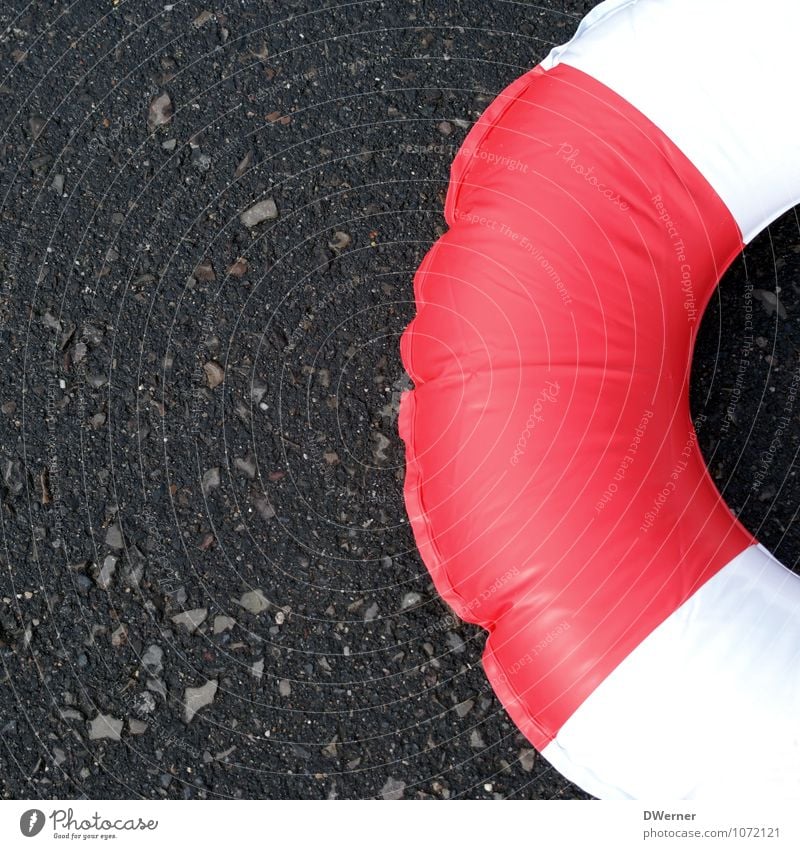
point(714, 76)
point(712, 694)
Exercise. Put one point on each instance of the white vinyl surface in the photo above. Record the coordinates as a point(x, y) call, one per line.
point(718, 77)
point(708, 706)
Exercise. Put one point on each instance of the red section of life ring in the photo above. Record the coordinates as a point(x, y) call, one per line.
point(530, 390)
point(554, 483)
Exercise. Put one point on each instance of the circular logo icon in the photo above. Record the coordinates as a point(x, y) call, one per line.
point(31, 822)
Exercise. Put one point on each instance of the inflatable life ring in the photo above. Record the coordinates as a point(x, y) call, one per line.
point(639, 636)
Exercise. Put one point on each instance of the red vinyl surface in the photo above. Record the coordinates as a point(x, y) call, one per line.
point(554, 483)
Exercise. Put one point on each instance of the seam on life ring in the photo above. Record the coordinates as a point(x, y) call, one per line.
point(510, 699)
point(420, 523)
point(477, 135)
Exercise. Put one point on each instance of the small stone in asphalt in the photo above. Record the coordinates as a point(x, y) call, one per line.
point(770, 302)
point(463, 708)
point(215, 374)
point(254, 601)
point(223, 623)
point(152, 659)
point(393, 789)
point(264, 210)
point(257, 669)
point(284, 687)
point(527, 758)
point(339, 241)
point(211, 480)
point(381, 444)
point(258, 389)
point(160, 111)
point(105, 727)
point(410, 600)
point(196, 698)
point(114, 537)
point(144, 703)
point(204, 272)
point(106, 573)
point(36, 125)
point(136, 726)
point(247, 465)
point(476, 740)
point(246, 162)
point(191, 619)
point(263, 507)
point(204, 17)
point(238, 268)
point(455, 642)
point(119, 636)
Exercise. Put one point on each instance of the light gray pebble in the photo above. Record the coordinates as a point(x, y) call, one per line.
point(455, 642)
point(463, 708)
point(70, 713)
point(105, 727)
point(144, 703)
point(258, 389)
point(152, 659)
point(196, 698)
point(191, 619)
point(211, 480)
point(476, 740)
point(393, 789)
point(770, 302)
point(160, 111)
point(254, 601)
point(114, 537)
point(263, 507)
point(246, 465)
point(106, 573)
point(410, 600)
point(223, 623)
point(381, 444)
point(265, 210)
point(527, 758)
point(136, 726)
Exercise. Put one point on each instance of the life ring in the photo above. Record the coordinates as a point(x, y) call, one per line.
point(639, 636)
